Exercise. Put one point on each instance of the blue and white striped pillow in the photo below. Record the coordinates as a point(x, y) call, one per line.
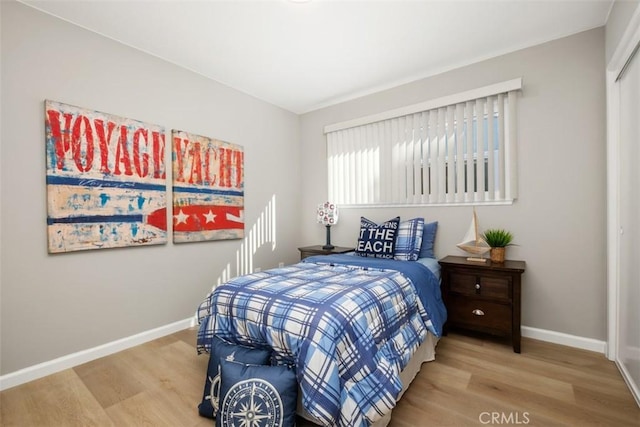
point(409, 240)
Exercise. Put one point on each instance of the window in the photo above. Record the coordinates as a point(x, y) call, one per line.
point(454, 150)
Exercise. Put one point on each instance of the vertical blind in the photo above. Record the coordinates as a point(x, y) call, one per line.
point(453, 150)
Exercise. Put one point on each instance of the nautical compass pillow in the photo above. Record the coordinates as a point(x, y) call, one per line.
point(257, 396)
point(221, 350)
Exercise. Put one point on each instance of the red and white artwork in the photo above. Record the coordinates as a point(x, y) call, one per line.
point(106, 180)
point(208, 188)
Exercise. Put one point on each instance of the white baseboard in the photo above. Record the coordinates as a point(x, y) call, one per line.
point(633, 387)
point(564, 339)
point(69, 361)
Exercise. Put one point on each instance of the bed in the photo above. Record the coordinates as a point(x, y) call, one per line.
point(353, 329)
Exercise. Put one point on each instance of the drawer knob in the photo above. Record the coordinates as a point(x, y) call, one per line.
point(477, 285)
point(478, 312)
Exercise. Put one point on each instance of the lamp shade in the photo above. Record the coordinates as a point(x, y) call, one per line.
point(327, 213)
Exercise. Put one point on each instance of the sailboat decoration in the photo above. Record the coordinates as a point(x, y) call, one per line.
point(473, 242)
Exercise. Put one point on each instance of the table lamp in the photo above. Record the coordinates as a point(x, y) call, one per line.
point(327, 215)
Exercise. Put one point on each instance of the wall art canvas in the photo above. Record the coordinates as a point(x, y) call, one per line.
point(208, 188)
point(106, 180)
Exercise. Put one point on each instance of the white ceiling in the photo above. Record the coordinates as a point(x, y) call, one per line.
point(305, 55)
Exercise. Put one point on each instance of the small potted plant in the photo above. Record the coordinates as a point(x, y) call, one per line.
point(498, 239)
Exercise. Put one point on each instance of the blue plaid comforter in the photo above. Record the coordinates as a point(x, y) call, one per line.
point(348, 324)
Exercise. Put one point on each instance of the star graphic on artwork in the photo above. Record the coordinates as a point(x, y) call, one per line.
point(181, 217)
point(210, 216)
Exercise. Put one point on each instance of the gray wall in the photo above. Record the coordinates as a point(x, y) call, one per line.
point(54, 305)
point(559, 218)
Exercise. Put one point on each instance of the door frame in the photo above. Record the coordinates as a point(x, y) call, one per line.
point(623, 51)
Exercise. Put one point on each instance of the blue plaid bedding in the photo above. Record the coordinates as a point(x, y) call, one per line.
point(348, 324)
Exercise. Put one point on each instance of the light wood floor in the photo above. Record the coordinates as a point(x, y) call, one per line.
point(473, 381)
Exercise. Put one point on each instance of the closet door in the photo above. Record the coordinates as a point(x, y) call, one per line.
point(628, 351)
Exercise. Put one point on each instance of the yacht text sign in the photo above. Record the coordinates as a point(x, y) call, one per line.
point(208, 188)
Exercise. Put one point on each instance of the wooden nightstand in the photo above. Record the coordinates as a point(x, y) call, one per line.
point(483, 297)
point(317, 250)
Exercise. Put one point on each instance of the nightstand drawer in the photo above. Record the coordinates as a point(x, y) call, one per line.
point(308, 251)
point(306, 254)
point(480, 315)
point(485, 285)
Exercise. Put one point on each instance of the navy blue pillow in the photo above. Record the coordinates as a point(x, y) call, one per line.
point(377, 240)
point(251, 393)
point(428, 240)
point(221, 350)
